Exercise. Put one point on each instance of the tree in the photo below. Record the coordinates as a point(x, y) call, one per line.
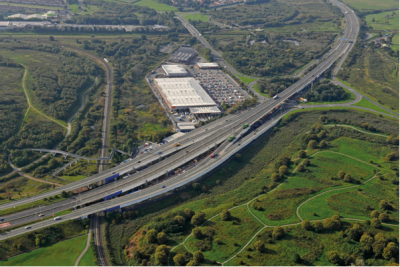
point(278, 232)
point(301, 168)
point(321, 135)
point(162, 248)
point(383, 217)
point(333, 257)
point(64, 194)
point(198, 256)
point(226, 215)
point(306, 225)
point(192, 263)
point(188, 213)
point(160, 257)
point(198, 219)
point(347, 178)
point(179, 260)
point(302, 154)
point(384, 205)
point(283, 170)
point(312, 144)
point(390, 251)
point(323, 144)
point(180, 220)
point(275, 177)
point(162, 238)
point(374, 214)
point(332, 224)
point(197, 233)
point(307, 162)
point(376, 223)
point(373, 19)
point(259, 246)
point(196, 186)
point(296, 258)
point(151, 236)
point(318, 226)
point(51, 38)
point(366, 240)
point(341, 174)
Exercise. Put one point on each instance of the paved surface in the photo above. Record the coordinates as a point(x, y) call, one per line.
point(87, 245)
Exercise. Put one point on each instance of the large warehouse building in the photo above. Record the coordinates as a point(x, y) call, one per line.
point(207, 66)
point(174, 70)
point(181, 94)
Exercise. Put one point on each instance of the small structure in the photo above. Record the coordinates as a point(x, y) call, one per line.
point(206, 66)
point(183, 55)
point(5, 25)
point(186, 126)
point(174, 70)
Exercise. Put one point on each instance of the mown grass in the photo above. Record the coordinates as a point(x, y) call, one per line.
point(258, 91)
point(366, 104)
point(246, 79)
point(87, 259)
point(197, 17)
point(368, 5)
point(395, 42)
point(32, 6)
point(156, 5)
point(237, 231)
point(63, 253)
point(74, 8)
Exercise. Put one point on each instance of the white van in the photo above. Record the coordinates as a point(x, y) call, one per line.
point(57, 218)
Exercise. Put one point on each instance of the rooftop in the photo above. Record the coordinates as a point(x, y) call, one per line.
point(174, 69)
point(208, 65)
point(184, 92)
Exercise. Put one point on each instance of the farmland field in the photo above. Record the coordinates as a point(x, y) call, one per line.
point(197, 16)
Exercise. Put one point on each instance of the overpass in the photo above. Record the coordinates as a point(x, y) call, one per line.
point(223, 127)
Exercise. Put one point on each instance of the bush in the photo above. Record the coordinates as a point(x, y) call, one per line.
point(151, 236)
point(384, 205)
point(341, 174)
point(366, 240)
point(302, 154)
point(301, 168)
point(198, 219)
point(188, 213)
point(333, 257)
point(283, 170)
point(278, 232)
point(318, 226)
point(312, 144)
point(275, 177)
point(296, 258)
point(162, 238)
point(306, 162)
point(383, 217)
point(197, 233)
point(179, 260)
point(306, 225)
point(198, 256)
point(376, 223)
point(180, 220)
point(332, 224)
point(226, 215)
point(259, 246)
point(374, 214)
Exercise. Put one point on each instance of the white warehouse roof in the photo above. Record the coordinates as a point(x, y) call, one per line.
point(207, 65)
point(185, 92)
point(172, 70)
point(204, 110)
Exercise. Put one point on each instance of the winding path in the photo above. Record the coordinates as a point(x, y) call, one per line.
point(297, 210)
point(87, 245)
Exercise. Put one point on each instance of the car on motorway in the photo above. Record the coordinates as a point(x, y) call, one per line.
point(40, 215)
point(1, 219)
point(57, 218)
point(28, 227)
point(113, 172)
point(163, 186)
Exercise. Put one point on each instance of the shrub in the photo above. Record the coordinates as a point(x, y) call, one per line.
point(275, 177)
point(283, 170)
point(384, 205)
point(179, 260)
point(226, 215)
point(332, 224)
point(198, 256)
point(151, 236)
point(333, 257)
point(341, 174)
point(160, 257)
point(301, 168)
point(374, 214)
point(278, 232)
point(302, 154)
point(347, 178)
point(383, 217)
point(306, 162)
point(259, 246)
point(198, 219)
point(188, 213)
point(323, 144)
point(366, 240)
point(196, 186)
point(376, 223)
point(296, 258)
point(318, 226)
point(312, 144)
point(180, 220)
point(162, 238)
point(197, 233)
point(306, 225)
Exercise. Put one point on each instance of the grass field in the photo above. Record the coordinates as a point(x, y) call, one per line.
point(63, 253)
point(395, 42)
point(87, 259)
point(237, 231)
point(79, 171)
point(74, 8)
point(246, 79)
point(258, 91)
point(381, 20)
point(366, 104)
point(197, 17)
point(32, 6)
point(156, 5)
point(319, 26)
point(90, 9)
point(368, 5)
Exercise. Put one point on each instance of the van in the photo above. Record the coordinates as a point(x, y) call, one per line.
point(28, 227)
point(57, 218)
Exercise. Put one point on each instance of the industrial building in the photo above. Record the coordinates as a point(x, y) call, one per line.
point(182, 55)
point(174, 70)
point(180, 94)
point(206, 66)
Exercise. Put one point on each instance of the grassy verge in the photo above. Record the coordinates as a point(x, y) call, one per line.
point(246, 79)
point(258, 91)
point(366, 104)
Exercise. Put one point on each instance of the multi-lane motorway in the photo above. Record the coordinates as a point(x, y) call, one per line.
point(193, 144)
